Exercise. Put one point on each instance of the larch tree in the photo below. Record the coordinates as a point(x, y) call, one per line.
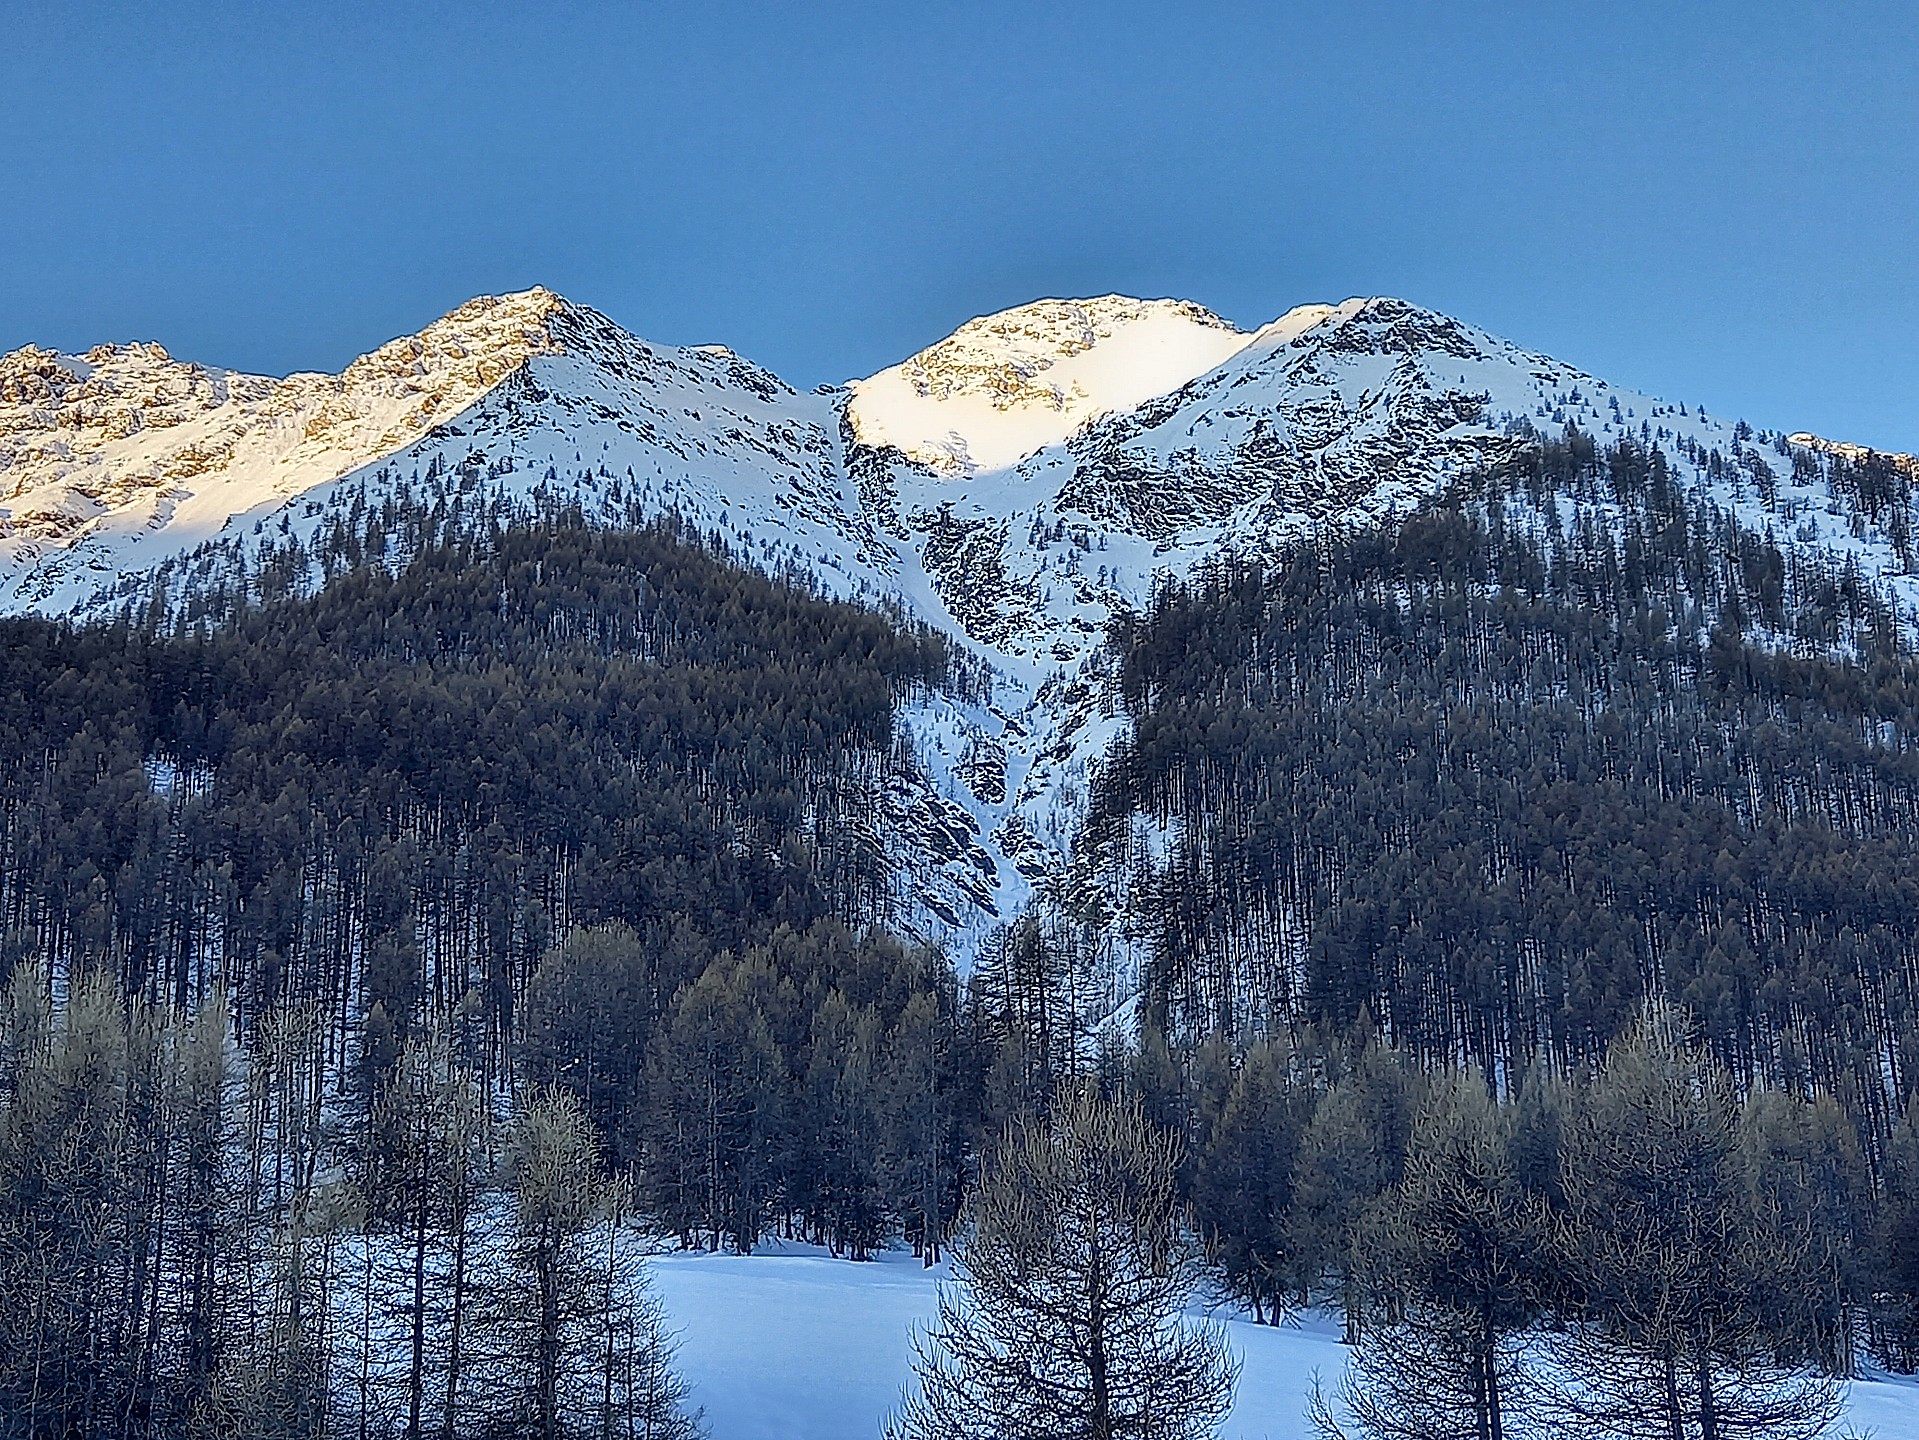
point(1065, 1321)
point(1672, 1267)
point(1452, 1254)
point(587, 1352)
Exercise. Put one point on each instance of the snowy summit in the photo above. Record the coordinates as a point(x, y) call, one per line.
point(1003, 386)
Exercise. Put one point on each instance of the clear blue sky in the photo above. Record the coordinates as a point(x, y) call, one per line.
point(1715, 201)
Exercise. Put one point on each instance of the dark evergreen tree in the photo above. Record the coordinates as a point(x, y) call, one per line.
point(1454, 1259)
point(717, 1107)
point(1244, 1177)
point(1352, 1153)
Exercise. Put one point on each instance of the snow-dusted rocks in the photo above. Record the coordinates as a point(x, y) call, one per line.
point(1014, 485)
point(1002, 386)
point(1846, 450)
point(99, 451)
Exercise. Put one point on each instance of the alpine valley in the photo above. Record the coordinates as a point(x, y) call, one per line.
point(1348, 817)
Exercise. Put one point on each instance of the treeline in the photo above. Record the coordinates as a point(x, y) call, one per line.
point(1495, 774)
point(818, 1086)
point(212, 1230)
point(187, 1249)
point(1639, 1239)
point(394, 795)
point(194, 1243)
point(1635, 1252)
point(826, 1086)
point(203, 1232)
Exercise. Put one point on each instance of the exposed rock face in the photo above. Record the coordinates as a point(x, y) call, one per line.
point(126, 438)
point(1845, 449)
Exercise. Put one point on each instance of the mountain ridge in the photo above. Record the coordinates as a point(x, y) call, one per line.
point(132, 469)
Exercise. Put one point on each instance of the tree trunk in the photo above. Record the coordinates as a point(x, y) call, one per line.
point(366, 1329)
point(1708, 1403)
point(416, 1373)
point(1675, 1409)
point(1100, 1425)
point(609, 1308)
point(1101, 1420)
point(1492, 1421)
point(547, 1365)
point(455, 1324)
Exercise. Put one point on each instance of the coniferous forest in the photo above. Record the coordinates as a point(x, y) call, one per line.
point(462, 910)
point(1528, 881)
point(1522, 891)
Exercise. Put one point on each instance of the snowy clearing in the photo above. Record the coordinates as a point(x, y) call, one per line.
point(791, 1344)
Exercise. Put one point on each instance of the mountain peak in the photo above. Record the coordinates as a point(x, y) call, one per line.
point(130, 437)
point(1007, 384)
point(470, 349)
point(1062, 327)
point(1016, 484)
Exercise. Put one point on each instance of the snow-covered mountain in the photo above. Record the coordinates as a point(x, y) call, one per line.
point(1014, 484)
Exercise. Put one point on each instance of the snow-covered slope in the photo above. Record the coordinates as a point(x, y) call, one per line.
point(115, 458)
point(1002, 386)
point(124, 469)
point(826, 1353)
point(1014, 485)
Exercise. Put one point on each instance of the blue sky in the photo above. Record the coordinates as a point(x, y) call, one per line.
point(1718, 202)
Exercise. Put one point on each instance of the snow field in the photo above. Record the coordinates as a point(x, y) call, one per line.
point(791, 1344)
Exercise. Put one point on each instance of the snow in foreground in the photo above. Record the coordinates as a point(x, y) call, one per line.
point(798, 1346)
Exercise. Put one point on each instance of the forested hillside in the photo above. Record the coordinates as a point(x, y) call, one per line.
point(1528, 881)
point(364, 951)
point(1495, 773)
point(398, 793)
point(1523, 885)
